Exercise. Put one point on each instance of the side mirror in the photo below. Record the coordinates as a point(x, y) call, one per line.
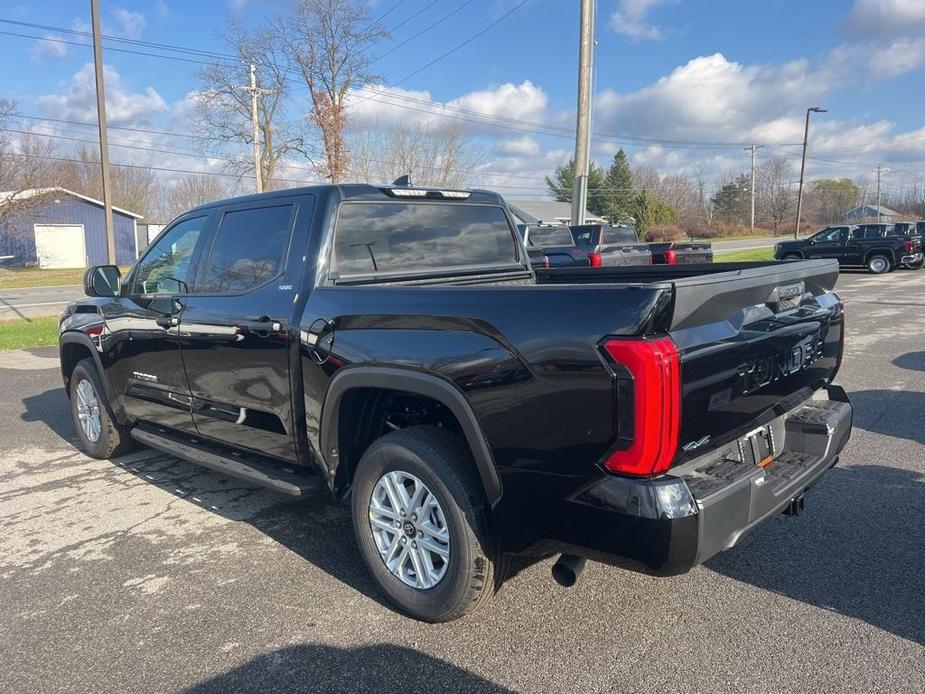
point(102, 280)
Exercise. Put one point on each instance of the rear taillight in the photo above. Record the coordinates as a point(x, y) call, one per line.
point(910, 245)
point(546, 263)
point(595, 259)
point(649, 381)
point(671, 257)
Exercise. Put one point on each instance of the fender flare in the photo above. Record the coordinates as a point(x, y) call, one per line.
point(419, 383)
point(80, 338)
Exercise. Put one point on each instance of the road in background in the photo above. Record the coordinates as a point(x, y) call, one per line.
point(151, 574)
point(744, 244)
point(31, 302)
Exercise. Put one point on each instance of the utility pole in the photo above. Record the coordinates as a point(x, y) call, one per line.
point(101, 119)
point(811, 109)
point(583, 126)
point(255, 91)
point(879, 170)
point(754, 149)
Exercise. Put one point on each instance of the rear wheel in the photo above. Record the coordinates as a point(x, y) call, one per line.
point(100, 435)
point(792, 256)
point(878, 264)
point(421, 523)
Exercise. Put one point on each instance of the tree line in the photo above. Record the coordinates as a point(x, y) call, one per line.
point(686, 203)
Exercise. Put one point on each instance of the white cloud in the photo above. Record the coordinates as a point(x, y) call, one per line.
point(901, 56)
point(631, 18)
point(131, 24)
point(383, 107)
point(162, 9)
point(877, 18)
point(47, 47)
point(524, 146)
point(77, 100)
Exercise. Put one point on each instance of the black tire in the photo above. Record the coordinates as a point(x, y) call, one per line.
point(915, 266)
point(792, 256)
point(114, 440)
point(879, 264)
point(441, 461)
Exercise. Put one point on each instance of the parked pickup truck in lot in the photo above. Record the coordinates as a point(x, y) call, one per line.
point(874, 246)
point(394, 346)
point(551, 245)
point(678, 253)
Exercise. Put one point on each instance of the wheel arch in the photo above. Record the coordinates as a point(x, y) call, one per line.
point(414, 383)
point(73, 347)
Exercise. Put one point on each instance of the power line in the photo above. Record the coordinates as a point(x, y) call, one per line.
point(421, 32)
point(442, 110)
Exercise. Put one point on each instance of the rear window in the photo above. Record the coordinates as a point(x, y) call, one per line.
point(392, 237)
point(550, 236)
point(619, 235)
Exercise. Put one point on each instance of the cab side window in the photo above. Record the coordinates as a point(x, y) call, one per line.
point(248, 251)
point(167, 267)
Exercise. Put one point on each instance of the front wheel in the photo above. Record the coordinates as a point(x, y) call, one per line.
point(100, 435)
point(792, 256)
point(421, 523)
point(878, 264)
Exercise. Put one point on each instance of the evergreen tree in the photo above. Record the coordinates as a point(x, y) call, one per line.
point(562, 182)
point(649, 210)
point(620, 194)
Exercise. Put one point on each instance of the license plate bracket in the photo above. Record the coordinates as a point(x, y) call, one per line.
point(758, 447)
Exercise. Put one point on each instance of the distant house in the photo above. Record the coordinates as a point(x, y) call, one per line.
point(867, 213)
point(547, 211)
point(58, 228)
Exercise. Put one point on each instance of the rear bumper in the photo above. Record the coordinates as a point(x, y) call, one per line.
point(670, 524)
point(911, 258)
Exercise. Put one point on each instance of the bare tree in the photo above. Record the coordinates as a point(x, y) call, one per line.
point(775, 201)
point(704, 198)
point(24, 164)
point(133, 188)
point(190, 191)
point(436, 157)
point(327, 41)
point(225, 109)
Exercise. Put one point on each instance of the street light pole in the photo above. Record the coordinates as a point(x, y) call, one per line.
point(583, 126)
point(811, 109)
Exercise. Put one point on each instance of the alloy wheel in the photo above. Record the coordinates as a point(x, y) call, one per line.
point(409, 529)
point(88, 411)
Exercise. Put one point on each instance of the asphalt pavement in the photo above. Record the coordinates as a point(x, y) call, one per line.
point(149, 574)
point(30, 302)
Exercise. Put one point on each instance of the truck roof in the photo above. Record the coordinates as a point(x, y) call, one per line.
point(367, 192)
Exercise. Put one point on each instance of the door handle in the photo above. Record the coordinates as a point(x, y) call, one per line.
point(263, 326)
point(167, 321)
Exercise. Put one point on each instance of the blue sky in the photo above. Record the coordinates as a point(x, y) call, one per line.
point(681, 84)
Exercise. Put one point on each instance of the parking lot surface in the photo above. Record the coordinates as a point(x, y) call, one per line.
point(149, 574)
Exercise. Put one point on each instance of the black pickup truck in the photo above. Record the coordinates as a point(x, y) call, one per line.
point(552, 246)
point(394, 346)
point(875, 246)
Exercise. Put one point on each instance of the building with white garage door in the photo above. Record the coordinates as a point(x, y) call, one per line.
point(58, 228)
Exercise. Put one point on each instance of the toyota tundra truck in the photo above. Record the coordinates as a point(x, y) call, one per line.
point(393, 346)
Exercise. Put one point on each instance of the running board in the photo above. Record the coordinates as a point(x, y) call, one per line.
point(265, 474)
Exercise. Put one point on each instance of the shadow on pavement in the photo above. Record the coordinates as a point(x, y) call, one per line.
point(896, 413)
point(317, 668)
point(914, 361)
point(860, 551)
point(51, 407)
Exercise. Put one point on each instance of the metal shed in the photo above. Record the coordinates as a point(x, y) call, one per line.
point(58, 228)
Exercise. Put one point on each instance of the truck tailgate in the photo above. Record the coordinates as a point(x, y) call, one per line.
point(752, 343)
